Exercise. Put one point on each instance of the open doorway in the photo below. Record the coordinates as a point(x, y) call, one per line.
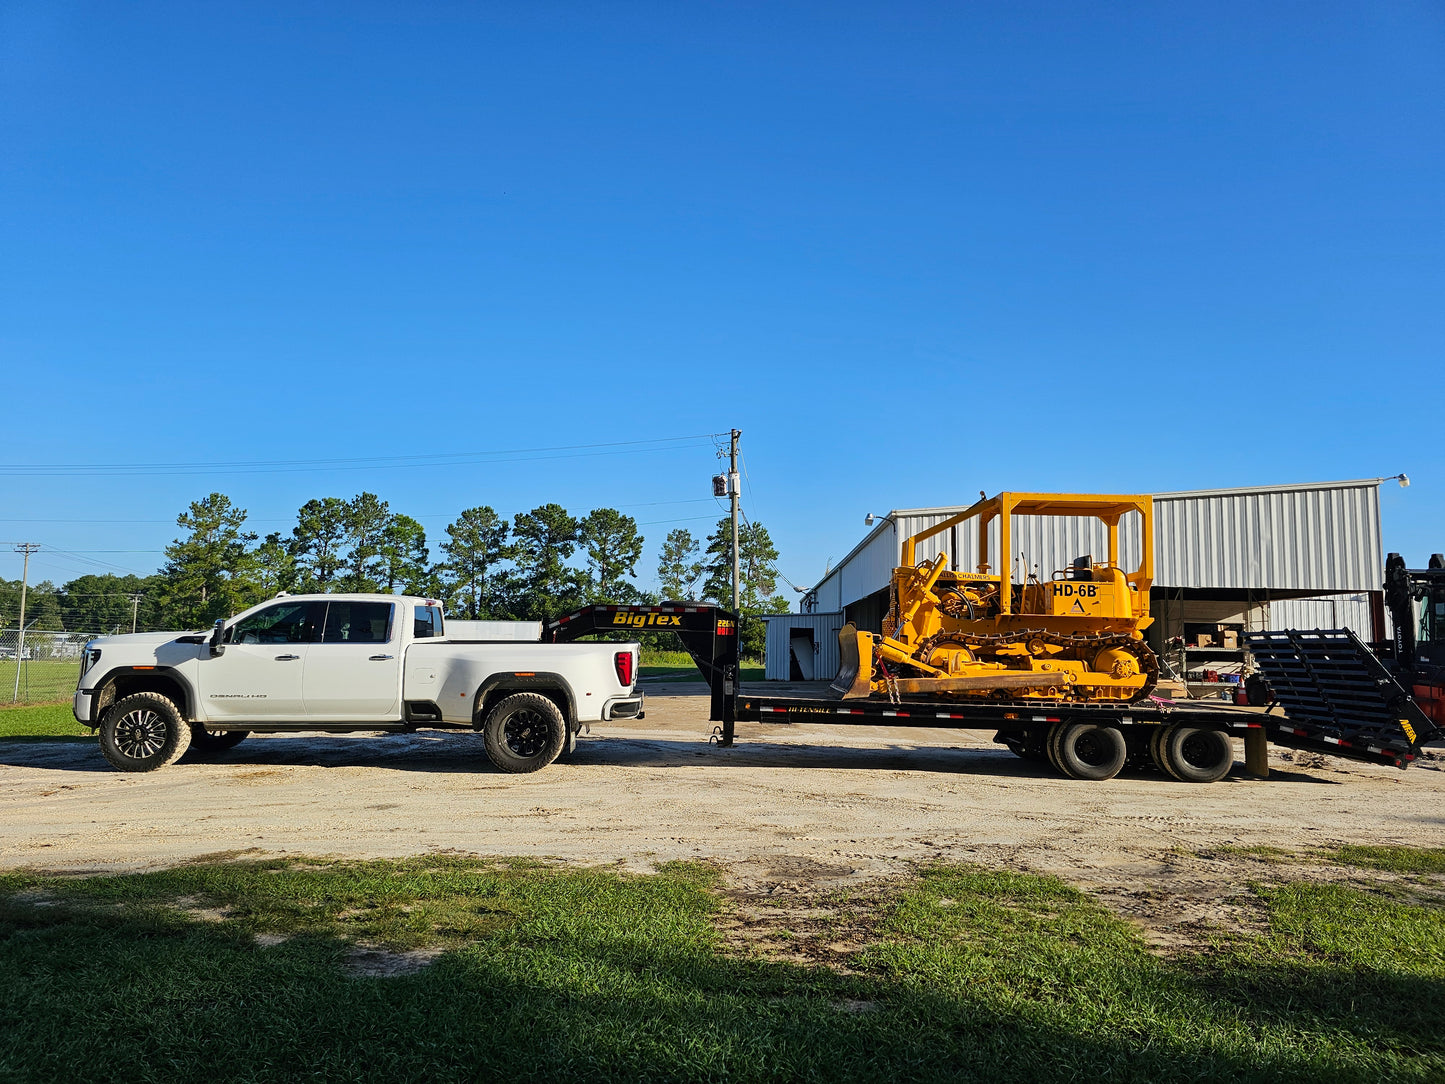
point(802, 655)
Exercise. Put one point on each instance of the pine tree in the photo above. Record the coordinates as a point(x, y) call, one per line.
point(365, 519)
point(404, 562)
point(544, 586)
point(757, 579)
point(475, 549)
point(613, 546)
point(205, 571)
point(317, 543)
point(679, 567)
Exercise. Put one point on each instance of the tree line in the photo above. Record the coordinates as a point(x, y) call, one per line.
point(536, 565)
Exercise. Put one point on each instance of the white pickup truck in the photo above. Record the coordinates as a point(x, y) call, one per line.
point(346, 663)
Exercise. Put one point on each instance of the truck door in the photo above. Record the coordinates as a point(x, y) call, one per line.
point(259, 676)
point(354, 673)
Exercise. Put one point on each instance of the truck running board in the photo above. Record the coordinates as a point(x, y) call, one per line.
point(1337, 696)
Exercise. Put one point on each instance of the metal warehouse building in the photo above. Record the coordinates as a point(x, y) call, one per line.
point(1227, 561)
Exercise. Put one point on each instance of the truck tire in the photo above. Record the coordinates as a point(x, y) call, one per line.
point(143, 732)
point(523, 733)
point(1090, 751)
point(215, 741)
point(1196, 755)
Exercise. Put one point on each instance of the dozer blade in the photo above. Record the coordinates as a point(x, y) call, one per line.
point(855, 664)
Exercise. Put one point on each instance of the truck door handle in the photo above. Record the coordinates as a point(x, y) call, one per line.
point(381, 658)
point(286, 658)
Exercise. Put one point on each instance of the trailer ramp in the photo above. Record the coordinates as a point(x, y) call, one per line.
point(1338, 698)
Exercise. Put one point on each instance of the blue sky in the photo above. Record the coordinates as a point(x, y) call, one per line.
point(912, 251)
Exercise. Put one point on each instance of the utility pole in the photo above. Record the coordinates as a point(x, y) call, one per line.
point(28, 548)
point(134, 606)
point(733, 490)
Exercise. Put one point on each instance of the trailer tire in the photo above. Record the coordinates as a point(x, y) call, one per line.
point(143, 732)
point(215, 741)
point(1196, 755)
point(1091, 751)
point(524, 733)
point(1156, 750)
point(1051, 745)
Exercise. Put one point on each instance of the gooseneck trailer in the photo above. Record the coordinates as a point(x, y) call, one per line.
point(1328, 693)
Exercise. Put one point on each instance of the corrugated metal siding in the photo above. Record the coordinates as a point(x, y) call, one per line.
point(1309, 539)
point(1292, 540)
point(825, 635)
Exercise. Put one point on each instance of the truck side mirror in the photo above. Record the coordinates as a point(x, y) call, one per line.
point(218, 648)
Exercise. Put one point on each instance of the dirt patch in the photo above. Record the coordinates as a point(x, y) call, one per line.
point(196, 909)
point(371, 962)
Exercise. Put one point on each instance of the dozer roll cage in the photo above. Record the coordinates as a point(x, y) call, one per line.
point(1108, 508)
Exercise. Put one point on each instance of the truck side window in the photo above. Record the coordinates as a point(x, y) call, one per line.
point(284, 623)
point(426, 621)
point(358, 623)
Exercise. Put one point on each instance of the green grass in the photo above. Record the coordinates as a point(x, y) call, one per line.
point(1393, 859)
point(40, 721)
point(561, 975)
point(40, 679)
point(690, 673)
point(678, 665)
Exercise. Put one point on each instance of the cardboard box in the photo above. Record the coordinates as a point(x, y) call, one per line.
point(1204, 639)
point(1229, 638)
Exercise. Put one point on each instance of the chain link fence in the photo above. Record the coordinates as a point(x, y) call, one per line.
point(46, 667)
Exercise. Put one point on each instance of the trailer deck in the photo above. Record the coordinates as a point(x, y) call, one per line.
point(1370, 724)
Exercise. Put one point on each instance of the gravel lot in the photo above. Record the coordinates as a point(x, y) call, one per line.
point(789, 809)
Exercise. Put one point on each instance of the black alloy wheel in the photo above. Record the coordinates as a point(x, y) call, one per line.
point(525, 733)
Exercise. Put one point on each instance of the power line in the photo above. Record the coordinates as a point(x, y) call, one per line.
point(280, 466)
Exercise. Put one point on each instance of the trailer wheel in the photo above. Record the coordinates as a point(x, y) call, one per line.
point(1091, 751)
point(524, 733)
point(143, 732)
point(1196, 755)
point(215, 741)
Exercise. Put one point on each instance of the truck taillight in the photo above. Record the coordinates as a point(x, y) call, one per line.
point(623, 662)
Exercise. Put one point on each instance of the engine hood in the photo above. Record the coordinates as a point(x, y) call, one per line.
point(140, 639)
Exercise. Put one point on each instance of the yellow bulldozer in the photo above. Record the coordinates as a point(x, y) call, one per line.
point(1073, 634)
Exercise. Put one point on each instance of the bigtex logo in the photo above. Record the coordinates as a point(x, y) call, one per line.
point(642, 620)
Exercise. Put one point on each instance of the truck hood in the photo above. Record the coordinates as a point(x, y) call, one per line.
point(140, 639)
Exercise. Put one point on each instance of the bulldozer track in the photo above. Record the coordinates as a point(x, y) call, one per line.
point(1148, 662)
